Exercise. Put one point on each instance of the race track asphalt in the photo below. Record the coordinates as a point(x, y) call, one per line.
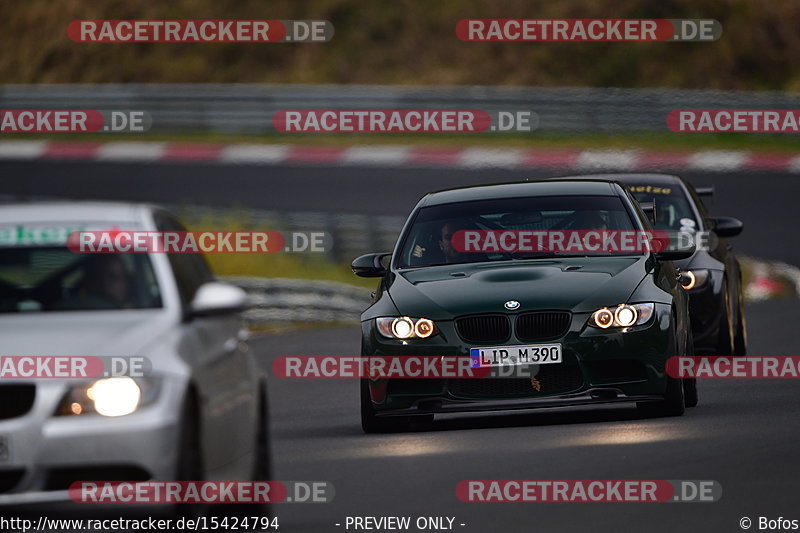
point(744, 434)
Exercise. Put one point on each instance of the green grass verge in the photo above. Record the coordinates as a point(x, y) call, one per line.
point(278, 265)
point(651, 141)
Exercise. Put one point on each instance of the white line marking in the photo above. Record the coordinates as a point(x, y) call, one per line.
point(368, 155)
point(717, 160)
point(794, 164)
point(22, 149)
point(131, 151)
point(607, 159)
point(258, 154)
point(490, 157)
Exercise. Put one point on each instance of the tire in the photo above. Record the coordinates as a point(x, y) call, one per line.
point(674, 402)
point(690, 392)
point(690, 384)
point(261, 466)
point(263, 469)
point(190, 457)
point(393, 424)
point(740, 337)
point(726, 334)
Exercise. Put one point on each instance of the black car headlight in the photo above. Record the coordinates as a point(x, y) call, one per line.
point(622, 316)
point(403, 327)
point(115, 396)
point(694, 279)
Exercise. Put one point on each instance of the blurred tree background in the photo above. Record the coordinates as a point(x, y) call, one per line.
point(407, 42)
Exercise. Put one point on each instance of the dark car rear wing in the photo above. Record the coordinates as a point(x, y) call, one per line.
point(705, 191)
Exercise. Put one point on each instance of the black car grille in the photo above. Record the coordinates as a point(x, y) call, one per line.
point(483, 328)
point(16, 399)
point(542, 325)
point(556, 378)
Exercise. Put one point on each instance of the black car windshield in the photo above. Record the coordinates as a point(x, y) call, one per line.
point(429, 240)
point(673, 211)
point(53, 278)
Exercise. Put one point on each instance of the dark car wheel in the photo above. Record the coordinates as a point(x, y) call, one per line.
point(262, 464)
point(690, 384)
point(726, 333)
point(373, 424)
point(261, 467)
point(190, 457)
point(674, 402)
point(690, 392)
point(740, 337)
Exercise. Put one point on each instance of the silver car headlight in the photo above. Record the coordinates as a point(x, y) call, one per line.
point(694, 279)
point(622, 316)
point(115, 396)
point(403, 327)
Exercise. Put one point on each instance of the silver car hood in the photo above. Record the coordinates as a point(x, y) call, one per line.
point(97, 333)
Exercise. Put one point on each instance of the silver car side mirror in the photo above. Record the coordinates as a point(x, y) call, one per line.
point(216, 297)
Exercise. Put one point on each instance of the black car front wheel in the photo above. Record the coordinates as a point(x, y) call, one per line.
point(690, 384)
point(740, 337)
point(673, 404)
point(725, 342)
point(675, 399)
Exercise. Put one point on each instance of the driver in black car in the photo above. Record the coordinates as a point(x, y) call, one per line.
point(446, 252)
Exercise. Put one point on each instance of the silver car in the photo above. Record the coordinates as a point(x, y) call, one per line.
point(200, 410)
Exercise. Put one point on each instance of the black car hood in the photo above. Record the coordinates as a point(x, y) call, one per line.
point(576, 284)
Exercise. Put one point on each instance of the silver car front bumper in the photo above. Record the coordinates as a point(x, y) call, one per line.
point(49, 450)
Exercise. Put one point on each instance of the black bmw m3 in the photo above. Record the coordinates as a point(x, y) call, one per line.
point(602, 322)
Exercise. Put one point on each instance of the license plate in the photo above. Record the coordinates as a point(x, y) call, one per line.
point(532, 354)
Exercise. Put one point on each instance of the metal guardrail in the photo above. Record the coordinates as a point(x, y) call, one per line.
point(249, 108)
point(351, 234)
point(279, 300)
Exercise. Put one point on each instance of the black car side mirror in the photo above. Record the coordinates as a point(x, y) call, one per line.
point(649, 209)
point(727, 226)
point(676, 254)
point(370, 265)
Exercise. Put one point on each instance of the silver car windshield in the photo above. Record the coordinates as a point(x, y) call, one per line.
point(38, 279)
